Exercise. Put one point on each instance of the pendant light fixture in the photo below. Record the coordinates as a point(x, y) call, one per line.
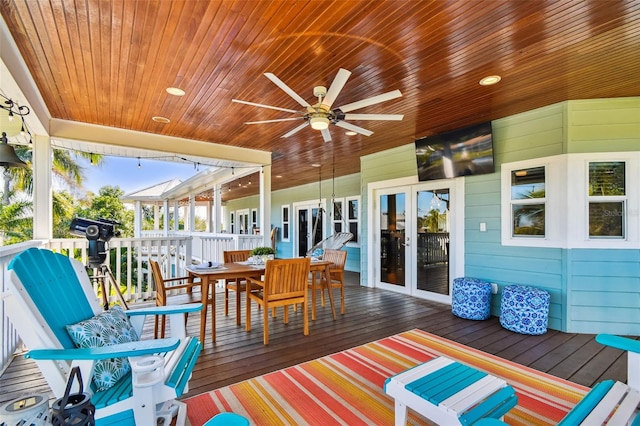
point(8, 156)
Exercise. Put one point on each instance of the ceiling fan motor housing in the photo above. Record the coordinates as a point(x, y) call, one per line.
point(319, 91)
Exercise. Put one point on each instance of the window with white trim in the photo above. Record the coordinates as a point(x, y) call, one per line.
point(254, 221)
point(591, 200)
point(286, 211)
point(528, 202)
point(337, 218)
point(607, 200)
point(353, 219)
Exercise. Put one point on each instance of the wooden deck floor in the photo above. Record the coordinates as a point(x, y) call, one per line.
point(371, 314)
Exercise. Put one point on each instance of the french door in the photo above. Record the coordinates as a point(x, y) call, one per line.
point(242, 219)
point(310, 225)
point(413, 237)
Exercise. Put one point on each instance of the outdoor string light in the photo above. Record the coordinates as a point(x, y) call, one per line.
point(12, 118)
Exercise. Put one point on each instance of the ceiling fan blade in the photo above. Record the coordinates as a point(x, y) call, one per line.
point(286, 89)
point(371, 101)
point(354, 128)
point(336, 86)
point(277, 120)
point(296, 130)
point(393, 117)
point(265, 106)
point(326, 135)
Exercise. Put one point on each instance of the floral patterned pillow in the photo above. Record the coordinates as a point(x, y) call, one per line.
point(107, 328)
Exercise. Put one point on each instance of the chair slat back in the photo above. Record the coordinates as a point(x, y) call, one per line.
point(337, 257)
point(231, 256)
point(158, 280)
point(51, 283)
point(286, 278)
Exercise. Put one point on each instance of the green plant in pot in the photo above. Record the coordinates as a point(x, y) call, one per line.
point(263, 253)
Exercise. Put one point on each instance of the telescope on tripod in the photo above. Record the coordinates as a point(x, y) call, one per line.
point(99, 232)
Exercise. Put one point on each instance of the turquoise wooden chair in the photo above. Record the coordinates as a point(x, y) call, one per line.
point(48, 291)
point(608, 402)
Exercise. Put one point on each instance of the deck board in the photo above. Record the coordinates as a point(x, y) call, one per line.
point(371, 314)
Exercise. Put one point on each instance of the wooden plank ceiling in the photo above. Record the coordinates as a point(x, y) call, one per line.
point(109, 63)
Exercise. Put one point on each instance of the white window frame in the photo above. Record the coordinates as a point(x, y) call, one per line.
point(348, 220)
point(341, 221)
point(567, 207)
point(286, 220)
point(595, 199)
point(578, 188)
point(554, 201)
point(254, 220)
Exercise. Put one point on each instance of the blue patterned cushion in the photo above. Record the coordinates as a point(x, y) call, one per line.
point(524, 309)
point(471, 298)
point(108, 328)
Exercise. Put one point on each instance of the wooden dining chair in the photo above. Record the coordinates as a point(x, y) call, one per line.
point(237, 285)
point(285, 283)
point(338, 258)
point(163, 298)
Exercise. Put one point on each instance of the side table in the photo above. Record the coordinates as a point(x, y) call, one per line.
point(449, 393)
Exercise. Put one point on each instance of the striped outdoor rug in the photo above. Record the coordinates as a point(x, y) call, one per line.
point(347, 388)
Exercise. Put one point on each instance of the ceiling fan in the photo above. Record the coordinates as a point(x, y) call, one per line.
point(320, 115)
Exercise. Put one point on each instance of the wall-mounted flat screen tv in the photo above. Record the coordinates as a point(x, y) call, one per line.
point(462, 152)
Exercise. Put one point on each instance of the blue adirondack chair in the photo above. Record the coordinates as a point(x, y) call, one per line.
point(608, 402)
point(49, 291)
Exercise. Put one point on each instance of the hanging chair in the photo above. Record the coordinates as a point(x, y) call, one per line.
point(333, 242)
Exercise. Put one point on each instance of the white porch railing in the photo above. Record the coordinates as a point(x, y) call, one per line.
point(128, 262)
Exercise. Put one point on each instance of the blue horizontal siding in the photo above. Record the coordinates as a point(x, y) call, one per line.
point(605, 284)
point(613, 299)
point(603, 291)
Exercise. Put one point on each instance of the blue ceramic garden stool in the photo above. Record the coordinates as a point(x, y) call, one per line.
point(524, 309)
point(471, 298)
point(227, 419)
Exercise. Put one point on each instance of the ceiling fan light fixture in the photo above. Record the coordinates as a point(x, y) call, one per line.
point(319, 123)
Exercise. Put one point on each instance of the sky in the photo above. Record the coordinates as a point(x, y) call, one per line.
point(124, 173)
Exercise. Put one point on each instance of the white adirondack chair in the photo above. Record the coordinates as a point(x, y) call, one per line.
point(47, 291)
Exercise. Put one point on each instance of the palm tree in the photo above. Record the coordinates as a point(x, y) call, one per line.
point(433, 220)
point(15, 221)
point(65, 168)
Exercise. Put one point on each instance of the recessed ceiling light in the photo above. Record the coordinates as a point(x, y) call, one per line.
point(175, 91)
point(350, 133)
point(158, 119)
point(278, 176)
point(489, 80)
point(315, 165)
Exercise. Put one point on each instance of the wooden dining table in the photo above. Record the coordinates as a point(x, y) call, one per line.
point(243, 270)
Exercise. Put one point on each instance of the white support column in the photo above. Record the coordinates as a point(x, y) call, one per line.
point(137, 219)
point(265, 204)
point(42, 162)
point(209, 216)
point(217, 199)
point(191, 213)
point(176, 215)
point(166, 218)
point(156, 217)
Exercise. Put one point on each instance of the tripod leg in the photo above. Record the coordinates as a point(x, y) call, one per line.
point(105, 296)
point(107, 272)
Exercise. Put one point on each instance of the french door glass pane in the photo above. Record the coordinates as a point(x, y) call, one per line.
point(392, 237)
point(432, 224)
